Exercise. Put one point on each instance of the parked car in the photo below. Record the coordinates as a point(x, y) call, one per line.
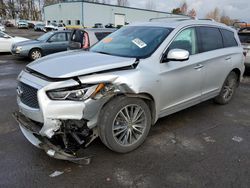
point(98, 25)
point(54, 27)
point(110, 25)
point(6, 41)
point(2, 28)
point(120, 87)
point(23, 24)
point(244, 35)
point(39, 27)
point(48, 43)
point(31, 25)
point(9, 24)
point(85, 38)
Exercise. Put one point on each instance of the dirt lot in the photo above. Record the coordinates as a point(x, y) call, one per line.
point(203, 146)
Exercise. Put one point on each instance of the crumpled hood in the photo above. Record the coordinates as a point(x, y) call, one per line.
point(75, 63)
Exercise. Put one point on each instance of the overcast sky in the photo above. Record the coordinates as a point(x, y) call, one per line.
point(237, 9)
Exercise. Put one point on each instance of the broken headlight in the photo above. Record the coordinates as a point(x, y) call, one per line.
point(78, 94)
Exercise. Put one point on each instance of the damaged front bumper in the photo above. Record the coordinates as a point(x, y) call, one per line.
point(31, 130)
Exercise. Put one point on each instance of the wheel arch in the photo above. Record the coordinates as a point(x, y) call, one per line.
point(147, 98)
point(238, 73)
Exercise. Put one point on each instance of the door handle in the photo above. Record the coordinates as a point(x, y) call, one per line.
point(199, 66)
point(228, 58)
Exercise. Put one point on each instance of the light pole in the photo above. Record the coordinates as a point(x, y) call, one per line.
point(82, 13)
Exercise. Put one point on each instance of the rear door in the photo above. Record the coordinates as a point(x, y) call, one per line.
point(77, 39)
point(215, 59)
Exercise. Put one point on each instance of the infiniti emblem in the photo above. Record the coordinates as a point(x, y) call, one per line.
point(19, 91)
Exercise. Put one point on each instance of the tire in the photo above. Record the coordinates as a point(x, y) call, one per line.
point(35, 54)
point(228, 89)
point(120, 131)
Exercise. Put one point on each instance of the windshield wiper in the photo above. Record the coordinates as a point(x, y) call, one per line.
point(106, 53)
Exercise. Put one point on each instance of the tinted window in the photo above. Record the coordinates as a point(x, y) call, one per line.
point(210, 39)
point(244, 37)
point(186, 40)
point(228, 38)
point(59, 37)
point(101, 35)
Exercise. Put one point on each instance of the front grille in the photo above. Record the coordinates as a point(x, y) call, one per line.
point(27, 95)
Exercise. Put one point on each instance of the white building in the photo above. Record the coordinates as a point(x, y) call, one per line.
point(87, 13)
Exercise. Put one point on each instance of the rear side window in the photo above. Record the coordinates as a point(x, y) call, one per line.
point(210, 39)
point(101, 35)
point(228, 38)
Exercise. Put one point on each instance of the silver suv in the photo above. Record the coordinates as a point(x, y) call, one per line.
point(125, 83)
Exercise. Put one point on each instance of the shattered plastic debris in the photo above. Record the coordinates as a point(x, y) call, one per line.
point(237, 139)
point(209, 139)
point(56, 173)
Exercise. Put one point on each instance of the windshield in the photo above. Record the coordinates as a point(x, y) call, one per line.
point(45, 36)
point(132, 41)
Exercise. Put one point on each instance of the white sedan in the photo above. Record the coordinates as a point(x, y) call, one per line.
point(6, 41)
point(2, 28)
point(55, 27)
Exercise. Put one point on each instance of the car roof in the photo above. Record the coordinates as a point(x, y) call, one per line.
point(98, 29)
point(61, 31)
point(181, 23)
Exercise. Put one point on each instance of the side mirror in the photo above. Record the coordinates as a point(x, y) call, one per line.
point(177, 55)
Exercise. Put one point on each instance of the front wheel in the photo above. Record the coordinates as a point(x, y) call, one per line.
point(124, 124)
point(35, 54)
point(228, 89)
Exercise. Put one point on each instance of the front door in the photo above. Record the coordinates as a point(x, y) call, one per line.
point(181, 80)
point(57, 43)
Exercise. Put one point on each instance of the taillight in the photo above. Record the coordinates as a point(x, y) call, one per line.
point(86, 41)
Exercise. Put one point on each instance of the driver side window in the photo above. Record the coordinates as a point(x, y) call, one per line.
point(186, 40)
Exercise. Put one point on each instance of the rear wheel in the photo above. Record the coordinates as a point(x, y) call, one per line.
point(228, 89)
point(124, 124)
point(35, 54)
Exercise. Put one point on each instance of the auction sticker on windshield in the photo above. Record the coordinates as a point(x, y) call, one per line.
point(139, 43)
point(107, 40)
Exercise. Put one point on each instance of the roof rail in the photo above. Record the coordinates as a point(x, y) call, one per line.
point(171, 18)
point(206, 19)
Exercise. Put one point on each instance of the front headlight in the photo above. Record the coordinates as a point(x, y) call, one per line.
point(18, 49)
point(76, 93)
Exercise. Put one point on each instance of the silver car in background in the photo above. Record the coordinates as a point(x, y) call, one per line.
point(244, 35)
point(125, 83)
